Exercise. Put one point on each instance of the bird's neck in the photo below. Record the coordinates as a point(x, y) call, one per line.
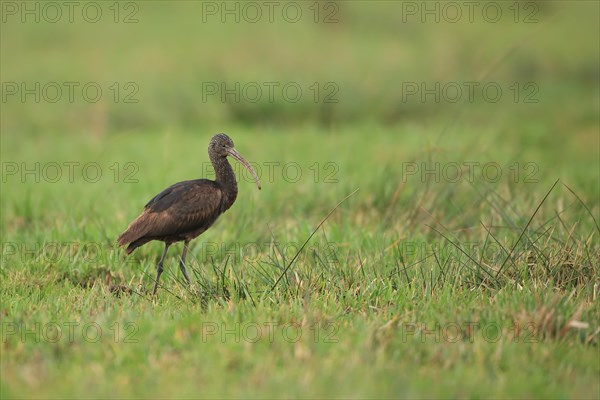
point(226, 177)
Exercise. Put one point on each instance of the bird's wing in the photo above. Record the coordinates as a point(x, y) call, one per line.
point(183, 207)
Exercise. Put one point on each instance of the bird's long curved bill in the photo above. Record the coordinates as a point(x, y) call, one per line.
point(245, 163)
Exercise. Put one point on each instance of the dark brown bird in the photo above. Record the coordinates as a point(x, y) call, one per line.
point(185, 210)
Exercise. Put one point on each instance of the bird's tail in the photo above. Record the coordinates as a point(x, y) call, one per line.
point(135, 244)
point(134, 235)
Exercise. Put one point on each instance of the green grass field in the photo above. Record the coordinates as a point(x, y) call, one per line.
point(463, 258)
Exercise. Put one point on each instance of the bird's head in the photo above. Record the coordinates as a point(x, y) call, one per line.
point(221, 145)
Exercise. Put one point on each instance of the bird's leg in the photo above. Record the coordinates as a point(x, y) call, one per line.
point(182, 261)
point(159, 268)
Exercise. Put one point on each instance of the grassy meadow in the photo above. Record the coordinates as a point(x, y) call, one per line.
point(428, 224)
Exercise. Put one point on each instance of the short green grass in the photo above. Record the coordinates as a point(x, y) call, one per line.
point(417, 285)
point(377, 304)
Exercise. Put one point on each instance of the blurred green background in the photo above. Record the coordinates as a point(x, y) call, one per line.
point(368, 50)
point(155, 62)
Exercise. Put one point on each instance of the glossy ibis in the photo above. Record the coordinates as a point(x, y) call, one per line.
point(186, 209)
